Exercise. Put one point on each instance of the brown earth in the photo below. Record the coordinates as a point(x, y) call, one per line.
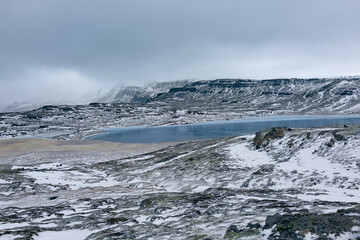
point(33, 151)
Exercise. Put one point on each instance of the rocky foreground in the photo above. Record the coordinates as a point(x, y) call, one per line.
point(278, 184)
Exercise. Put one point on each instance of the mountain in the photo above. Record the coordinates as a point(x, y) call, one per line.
point(331, 95)
point(132, 94)
point(310, 96)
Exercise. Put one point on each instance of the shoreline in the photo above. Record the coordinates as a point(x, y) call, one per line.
point(27, 151)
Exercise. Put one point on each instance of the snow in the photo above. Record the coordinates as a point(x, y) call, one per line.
point(200, 188)
point(61, 235)
point(74, 179)
point(333, 194)
point(306, 161)
point(159, 165)
point(226, 164)
point(329, 176)
point(13, 225)
point(6, 193)
point(345, 236)
point(48, 225)
point(243, 156)
point(310, 236)
point(7, 237)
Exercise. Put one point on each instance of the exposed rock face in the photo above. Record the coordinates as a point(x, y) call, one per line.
point(297, 95)
point(264, 138)
point(337, 136)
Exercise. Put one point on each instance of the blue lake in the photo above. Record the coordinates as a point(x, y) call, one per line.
point(213, 130)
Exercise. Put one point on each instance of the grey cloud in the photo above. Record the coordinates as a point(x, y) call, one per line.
point(127, 42)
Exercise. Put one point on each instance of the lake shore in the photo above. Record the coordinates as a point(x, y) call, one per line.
point(28, 151)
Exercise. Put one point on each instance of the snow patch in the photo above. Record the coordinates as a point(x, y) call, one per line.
point(68, 234)
point(243, 156)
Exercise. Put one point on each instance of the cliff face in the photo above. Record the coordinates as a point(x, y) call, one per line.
point(298, 95)
point(311, 96)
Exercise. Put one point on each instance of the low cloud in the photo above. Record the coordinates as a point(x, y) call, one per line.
point(65, 49)
point(44, 85)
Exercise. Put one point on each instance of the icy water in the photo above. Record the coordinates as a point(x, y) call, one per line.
point(213, 130)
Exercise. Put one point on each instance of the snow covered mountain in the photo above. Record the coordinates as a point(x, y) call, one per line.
point(132, 94)
point(303, 95)
point(300, 95)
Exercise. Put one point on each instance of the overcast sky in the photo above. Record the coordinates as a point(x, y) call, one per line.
point(53, 49)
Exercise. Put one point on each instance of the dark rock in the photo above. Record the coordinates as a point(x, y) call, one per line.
point(322, 133)
point(304, 210)
point(202, 198)
point(67, 109)
point(331, 143)
point(253, 225)
point(264, 169)
point(95, 104)
point(183, 89)
point(338, 137)
point(32, 116)
point(258, 140)
point(116, 220)
point(49, 107)
point(263, 139)
point(346, 93)
point(271, 220)
point(234, 233)
point(145, 203)
point(232, 229)
point(295, 226)
point(284, 94)
point(287, 210)
point(266, 93)
point(274, 133)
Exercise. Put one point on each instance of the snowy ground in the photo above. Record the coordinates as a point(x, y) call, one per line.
point(193, 190)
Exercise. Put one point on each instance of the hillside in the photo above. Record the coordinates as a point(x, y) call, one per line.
point(278, 184)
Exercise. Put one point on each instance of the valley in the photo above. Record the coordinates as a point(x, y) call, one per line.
point(280, 183)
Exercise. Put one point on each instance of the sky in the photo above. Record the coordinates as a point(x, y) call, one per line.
point(63, 49)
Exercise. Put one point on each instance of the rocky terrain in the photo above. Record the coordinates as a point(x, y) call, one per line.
point(277, 184)
point(187, 102)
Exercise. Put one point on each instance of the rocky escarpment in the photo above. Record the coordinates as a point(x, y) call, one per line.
point(295, 95)
point(295, 186)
